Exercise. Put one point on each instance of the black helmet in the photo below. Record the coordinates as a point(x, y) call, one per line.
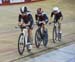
point(23, 9)
point(39, 10)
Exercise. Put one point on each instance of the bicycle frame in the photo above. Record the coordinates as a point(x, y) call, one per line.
point(41, 27)
point(41, 36)
point(57, 26)
point(25, 32)
point(25, 39)
point(57, 33)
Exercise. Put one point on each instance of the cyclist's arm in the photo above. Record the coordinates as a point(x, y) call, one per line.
point(31, 19)
point(52, 14)
point(36, 18)
point(51, 17)
point(19, 20)
point(61, 16)
point(46, 18)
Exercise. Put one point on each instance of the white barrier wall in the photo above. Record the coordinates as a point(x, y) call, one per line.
point(16, 1)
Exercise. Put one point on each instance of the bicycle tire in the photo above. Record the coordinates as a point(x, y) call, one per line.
point(45, 38)
point(21, 39)
point(59, 36)
point(54, 35)
point(37, 39)
point(59, 33)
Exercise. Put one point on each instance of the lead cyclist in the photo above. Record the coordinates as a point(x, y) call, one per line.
point(25, 18)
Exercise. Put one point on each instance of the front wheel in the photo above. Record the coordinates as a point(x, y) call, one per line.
point(37, 38)
point(21, 44)
point(59, 36)
point(54, 34)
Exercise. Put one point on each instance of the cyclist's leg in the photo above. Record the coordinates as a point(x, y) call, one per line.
point(59, 27)
point(43, 25)
point(43, 28)
point(30, 35)
point(59, 31)
point(40, 28)
point(55, 27)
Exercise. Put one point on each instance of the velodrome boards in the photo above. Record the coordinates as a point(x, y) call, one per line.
point(10, 2)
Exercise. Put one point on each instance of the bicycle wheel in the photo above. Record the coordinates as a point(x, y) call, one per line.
point(45, 38)
point(37, 38)
point(59, 36)
point(21, 44)
point(54, 34)
point(59, 33)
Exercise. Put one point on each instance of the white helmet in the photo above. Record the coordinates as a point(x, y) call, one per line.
point(23, 9)
point(55, 9)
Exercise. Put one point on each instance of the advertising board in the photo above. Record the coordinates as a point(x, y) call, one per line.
point(16, 1)
point(0, 1)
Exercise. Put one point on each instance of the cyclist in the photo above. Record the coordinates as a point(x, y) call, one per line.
point(57, 16)
point(40, 16)
point(25, 18)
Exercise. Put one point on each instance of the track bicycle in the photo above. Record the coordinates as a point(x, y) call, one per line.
point(56, 34)
point(23, 40)
point(41, 36)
